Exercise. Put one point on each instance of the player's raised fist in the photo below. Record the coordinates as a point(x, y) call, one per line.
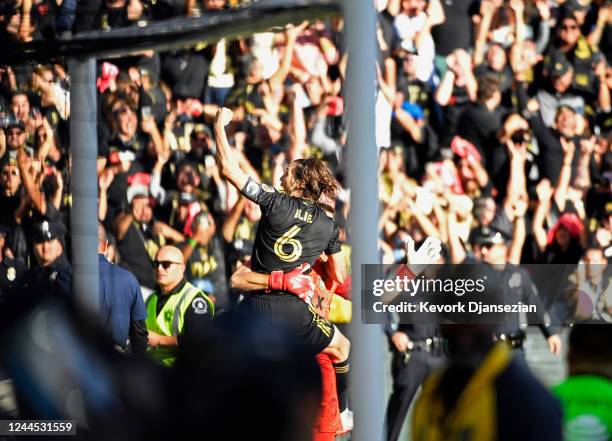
point(224, 116)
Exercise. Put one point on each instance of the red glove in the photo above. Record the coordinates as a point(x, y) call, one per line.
point(344, 290)
point(296, 282)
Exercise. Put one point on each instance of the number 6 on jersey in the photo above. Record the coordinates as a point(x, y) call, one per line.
point(288, 239)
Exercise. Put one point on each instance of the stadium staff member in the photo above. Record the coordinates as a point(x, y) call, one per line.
point(122, 309)
point(176, 308)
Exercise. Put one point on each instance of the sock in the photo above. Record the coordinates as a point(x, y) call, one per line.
point(342, 370)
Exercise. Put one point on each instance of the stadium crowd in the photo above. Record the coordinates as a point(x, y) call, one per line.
point(487, 114)
point(492, 120)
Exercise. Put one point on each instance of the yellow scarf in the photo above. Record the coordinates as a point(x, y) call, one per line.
point(474, 416)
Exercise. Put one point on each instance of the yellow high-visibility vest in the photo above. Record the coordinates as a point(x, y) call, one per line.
point(170, 320)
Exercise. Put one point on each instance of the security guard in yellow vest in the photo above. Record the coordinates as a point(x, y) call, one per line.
point(175, 309)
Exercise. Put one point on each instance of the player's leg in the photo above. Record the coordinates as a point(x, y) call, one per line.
point(338, 350)
point(339, 347)
point(324, 336)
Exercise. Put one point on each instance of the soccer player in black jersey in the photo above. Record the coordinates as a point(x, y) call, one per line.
point(295, 228)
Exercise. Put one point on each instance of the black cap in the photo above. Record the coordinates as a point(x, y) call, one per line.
point(202, 128)
point(4, 231)
point(571, 6)
point(486, 235)
point(46, 230)
point(568, 10)
point(558, 65)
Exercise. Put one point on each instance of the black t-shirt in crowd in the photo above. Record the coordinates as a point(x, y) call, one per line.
point(291, 231)
point(9, 205)
point(137, 248)
point(480, 126)
point(185, 72)
point(416, 92)
point(456, 31)
point(207, 262)
point(506, 78)
point(451, 112)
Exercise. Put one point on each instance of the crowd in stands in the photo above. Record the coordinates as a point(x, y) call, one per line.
point(488, 114)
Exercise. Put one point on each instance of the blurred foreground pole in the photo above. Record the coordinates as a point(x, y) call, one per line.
point(84, 182)
point(367, 344)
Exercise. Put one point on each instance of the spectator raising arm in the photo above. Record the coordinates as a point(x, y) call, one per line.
point(543, 27)
point(56, 197)
point(480, 172)
point(603, 17)
point(297, 128)
point(104, 181)
point(545, 192)
point(48, 143)
point(25, 25)
point(457, 252)
point(583, 173)
point(31, 181)
point(518, 7)
point(149, 127)
point(276, 81)
point(560, 195)
point(519, 232)
point(517, 183)
point(487, 9)
point(444, 92)
point(603, 97)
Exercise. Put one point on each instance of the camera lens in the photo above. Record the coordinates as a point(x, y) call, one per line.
point(520, 136)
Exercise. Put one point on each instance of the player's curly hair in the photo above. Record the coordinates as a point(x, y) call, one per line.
point(315, 182)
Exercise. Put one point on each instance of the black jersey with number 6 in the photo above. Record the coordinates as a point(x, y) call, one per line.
point(291, 231)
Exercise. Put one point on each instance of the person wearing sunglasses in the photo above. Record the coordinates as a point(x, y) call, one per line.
point(176, 310)
point(572, 43)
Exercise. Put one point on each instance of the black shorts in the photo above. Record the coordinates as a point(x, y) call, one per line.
point(301, 319)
